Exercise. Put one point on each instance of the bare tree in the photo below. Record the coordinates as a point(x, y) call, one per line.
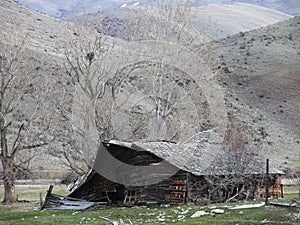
point(88, 65)
point(167, 40)
point(170, 21)
point(22, 118)
point(133, 89)
point(238, 168)
point(156, 98)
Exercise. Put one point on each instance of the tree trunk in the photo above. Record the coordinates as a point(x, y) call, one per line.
point(9, 181)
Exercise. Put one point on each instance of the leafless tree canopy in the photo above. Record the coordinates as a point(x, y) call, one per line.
point(236, 163)
point(23, 118)
point(107, 76)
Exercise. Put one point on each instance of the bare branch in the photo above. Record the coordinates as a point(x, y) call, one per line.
point(14, 148)
point(27, 147)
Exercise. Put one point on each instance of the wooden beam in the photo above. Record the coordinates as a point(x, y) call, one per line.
point(186, 197)
point(267, 182)
point(47, 196)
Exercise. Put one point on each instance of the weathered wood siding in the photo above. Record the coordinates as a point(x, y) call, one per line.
point(182, 187)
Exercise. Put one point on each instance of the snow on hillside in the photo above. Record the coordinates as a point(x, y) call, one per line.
point(59, 9)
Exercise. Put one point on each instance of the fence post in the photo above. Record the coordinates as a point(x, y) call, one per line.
point(267, 182)
point(41, 199)
point(281, 190)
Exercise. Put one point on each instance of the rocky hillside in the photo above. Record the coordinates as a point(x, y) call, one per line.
point(62, 9)
point(248, 81)
point(41, 32)
point(41, 35)
point(212, 21)
point(260, 69)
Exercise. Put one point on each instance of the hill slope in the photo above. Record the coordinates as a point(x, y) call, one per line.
point(250, 79)
point(260, 69)
point(211, 21)
point(41, 32)
point(228, 19)
point(291, 7)
point(62, 9)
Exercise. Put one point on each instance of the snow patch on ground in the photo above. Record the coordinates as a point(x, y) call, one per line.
point(199, 213)
point(217, 211)
point(249, 206)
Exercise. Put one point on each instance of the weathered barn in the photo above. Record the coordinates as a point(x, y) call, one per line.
point(137, 175)
point(197, 171)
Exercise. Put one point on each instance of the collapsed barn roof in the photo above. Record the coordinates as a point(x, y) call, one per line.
point(193, 155)
point(160, 172)
point(198, 156)
point(123, 162)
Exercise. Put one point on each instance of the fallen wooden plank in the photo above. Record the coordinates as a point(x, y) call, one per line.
point(284, 204)
point(248, 206)
point(65, 204)
point(54, 201)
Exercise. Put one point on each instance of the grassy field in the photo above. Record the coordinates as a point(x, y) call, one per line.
point(294, 164)
point(29, 213)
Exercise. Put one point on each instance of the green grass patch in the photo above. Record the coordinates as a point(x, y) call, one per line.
point(32, 192)
point(294, 164)
point(149, 215)
point(291, 192)
point(29, 213)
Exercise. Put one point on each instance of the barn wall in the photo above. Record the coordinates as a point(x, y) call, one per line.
point(212, 189)
point(170, 191)
point(180, 188)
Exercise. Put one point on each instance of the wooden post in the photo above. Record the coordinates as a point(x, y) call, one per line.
point(267, 182)
point(41, 199)
point(281, 190)
point(186, 197)
point(48, 195)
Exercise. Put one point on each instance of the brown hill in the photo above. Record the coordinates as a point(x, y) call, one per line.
point(260, 69)
point(248, 81)
point(218, 20)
